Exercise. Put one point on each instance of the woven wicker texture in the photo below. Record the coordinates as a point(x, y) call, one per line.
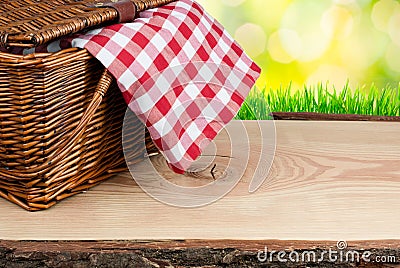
point(61, 113)
point(60, 128)
point(30, 23)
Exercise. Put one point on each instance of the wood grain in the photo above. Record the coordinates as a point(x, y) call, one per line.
point(191, 253)
point(329, 181)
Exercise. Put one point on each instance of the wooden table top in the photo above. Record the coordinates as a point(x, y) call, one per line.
point(329, 181)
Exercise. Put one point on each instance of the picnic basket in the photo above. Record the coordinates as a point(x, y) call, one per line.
point(61, 113)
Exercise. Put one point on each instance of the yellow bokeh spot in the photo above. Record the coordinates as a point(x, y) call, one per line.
point(335, 75)
point(252, 38)
point(394, 26)
point(303, 17)
point(345, 2)
point(337, 22)
point(393, 57)
point(382, 13)
point(267, 13)
point(362, 49)
point(233, 3)
point(277, 50)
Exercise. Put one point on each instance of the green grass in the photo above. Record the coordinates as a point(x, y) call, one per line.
point(321, 99)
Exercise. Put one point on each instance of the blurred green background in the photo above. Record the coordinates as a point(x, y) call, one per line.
point(306, 42)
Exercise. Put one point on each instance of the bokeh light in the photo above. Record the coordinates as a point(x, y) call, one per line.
point(393, 57)
point(232, 3)
point(382, 13)
point(252, 38)
point(313, 43)
point(276, 47)
point(337, 22)
point(326, 41)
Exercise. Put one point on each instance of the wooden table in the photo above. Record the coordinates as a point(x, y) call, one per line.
point(329, 182)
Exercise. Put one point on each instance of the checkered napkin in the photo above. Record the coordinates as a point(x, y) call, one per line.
point(179, 71)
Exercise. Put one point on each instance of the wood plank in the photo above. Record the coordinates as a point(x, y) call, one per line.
point(329, 181)
point(197, 253)
point(332, 117)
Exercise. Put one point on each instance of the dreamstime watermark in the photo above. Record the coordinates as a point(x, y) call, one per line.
point(194, 112)
point(340, 254)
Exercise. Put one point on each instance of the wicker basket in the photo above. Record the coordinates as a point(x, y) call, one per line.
point(61, 113)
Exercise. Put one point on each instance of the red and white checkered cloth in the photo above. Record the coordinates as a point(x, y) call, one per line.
point(179, 70)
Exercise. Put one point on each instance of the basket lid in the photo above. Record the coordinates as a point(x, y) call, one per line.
point(30, 23)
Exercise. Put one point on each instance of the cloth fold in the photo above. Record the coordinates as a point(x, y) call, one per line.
point(179, 70)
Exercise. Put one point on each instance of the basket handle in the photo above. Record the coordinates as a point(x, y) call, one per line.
point(74, 137)
point(64, 149)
